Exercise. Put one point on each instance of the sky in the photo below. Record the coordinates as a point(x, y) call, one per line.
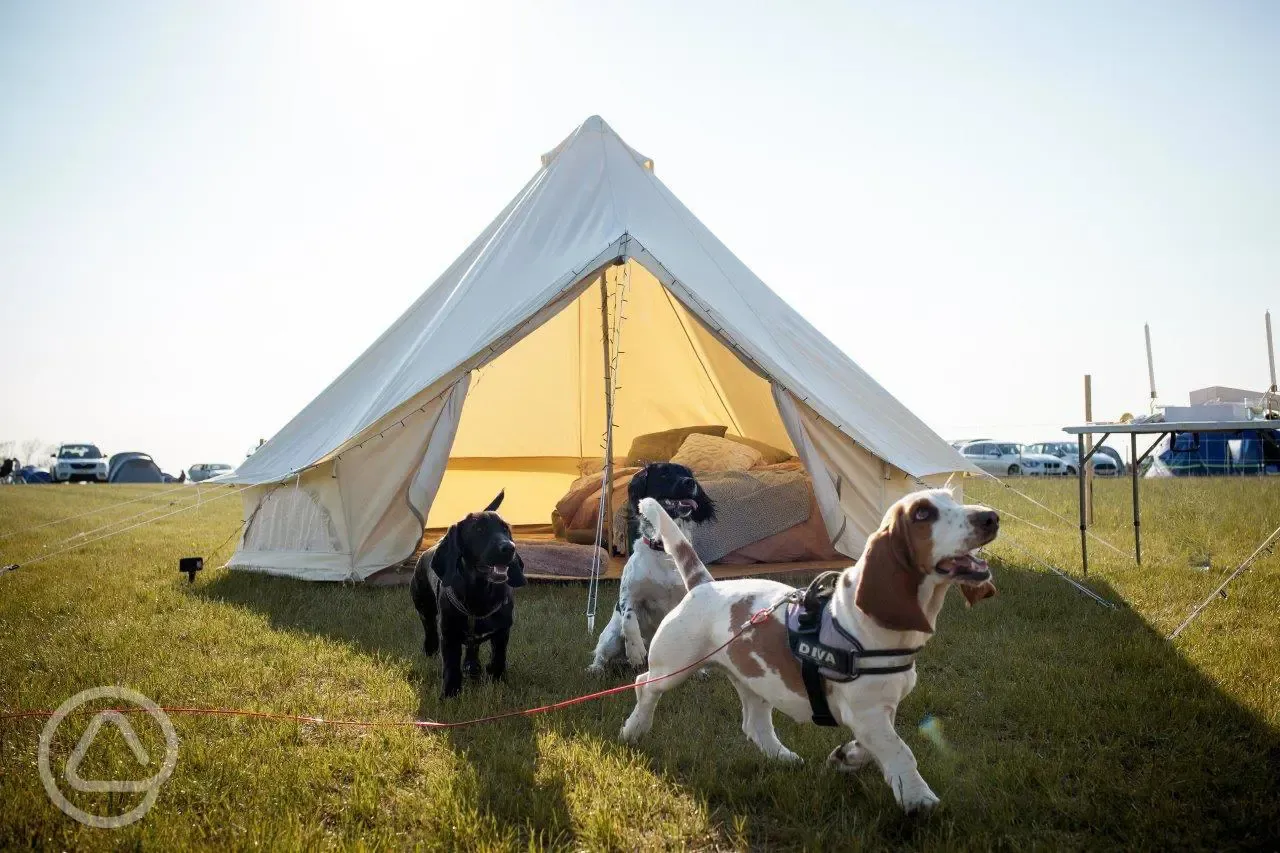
point(207, 211)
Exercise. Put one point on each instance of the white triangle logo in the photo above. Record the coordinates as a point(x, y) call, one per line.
point(86, 740)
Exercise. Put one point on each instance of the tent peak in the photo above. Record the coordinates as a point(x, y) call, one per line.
point(594, 126)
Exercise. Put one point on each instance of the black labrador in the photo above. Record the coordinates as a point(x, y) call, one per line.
point(463, 585)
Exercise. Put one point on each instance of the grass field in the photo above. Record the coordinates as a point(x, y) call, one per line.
point(1064, 724)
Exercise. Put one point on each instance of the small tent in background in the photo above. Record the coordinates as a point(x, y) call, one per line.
point(594, 310)
point(133, 468)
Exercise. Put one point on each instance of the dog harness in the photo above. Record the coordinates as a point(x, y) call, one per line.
point(472, 637)
point(827, 651)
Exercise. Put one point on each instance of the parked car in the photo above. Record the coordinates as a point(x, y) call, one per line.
point(1007, 459)
point(78, 462)
point(1106, 462)
point(202, 471)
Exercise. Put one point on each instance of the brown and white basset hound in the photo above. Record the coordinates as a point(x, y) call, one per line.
point(889, 600)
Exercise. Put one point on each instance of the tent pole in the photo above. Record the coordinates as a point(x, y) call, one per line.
point(607, 526)
point(1088, 446)
point(1084, 540)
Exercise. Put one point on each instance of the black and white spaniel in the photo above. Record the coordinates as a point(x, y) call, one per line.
point(651, 586)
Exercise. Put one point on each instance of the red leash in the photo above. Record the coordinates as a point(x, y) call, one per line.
point(756, 618)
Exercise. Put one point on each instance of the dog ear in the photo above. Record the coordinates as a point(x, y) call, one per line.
point(446, 562)
point(639, 486)
point(515, 572)
point(496, 502)
point(974, 594)
point(889, 584)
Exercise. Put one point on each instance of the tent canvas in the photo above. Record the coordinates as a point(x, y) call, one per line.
point(496, 378)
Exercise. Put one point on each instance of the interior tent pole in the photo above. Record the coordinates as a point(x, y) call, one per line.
point(607, 528)
point(1088, 446)
point(606, 479)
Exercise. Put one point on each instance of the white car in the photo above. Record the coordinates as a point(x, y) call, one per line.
point(1106, 462)
point(1007, 459)
point(78, 462)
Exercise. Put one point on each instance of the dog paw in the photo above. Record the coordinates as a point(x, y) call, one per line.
point(849, 760)
point(913, 794)
point(786, 756)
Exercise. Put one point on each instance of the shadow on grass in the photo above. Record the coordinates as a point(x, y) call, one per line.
point(1063, 724)
point(381, 622)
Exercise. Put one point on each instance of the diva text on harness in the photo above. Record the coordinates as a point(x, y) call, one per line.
point(826, 650)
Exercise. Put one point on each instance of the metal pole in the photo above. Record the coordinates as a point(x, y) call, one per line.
point(1271, 354)
point(1088, 445)
point(608, 414)
point(1084, 538)
point(1137, 512)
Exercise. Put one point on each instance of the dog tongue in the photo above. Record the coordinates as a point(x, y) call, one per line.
point(963, 563)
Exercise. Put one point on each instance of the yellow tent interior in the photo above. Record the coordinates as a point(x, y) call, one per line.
point(535, 415)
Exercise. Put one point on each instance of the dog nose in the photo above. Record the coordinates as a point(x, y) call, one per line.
point(987, 522)
point(506, 550)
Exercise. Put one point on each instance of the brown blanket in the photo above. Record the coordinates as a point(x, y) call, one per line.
point(574, 519)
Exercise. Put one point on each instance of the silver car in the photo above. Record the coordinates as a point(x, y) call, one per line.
point(1106, 462)
point(202, 471)
point(1008, 459)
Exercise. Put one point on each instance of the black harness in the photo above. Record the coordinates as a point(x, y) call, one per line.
point(471, 638)
point(826, 651)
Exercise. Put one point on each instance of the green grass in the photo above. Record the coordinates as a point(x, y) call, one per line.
point(1066, 725)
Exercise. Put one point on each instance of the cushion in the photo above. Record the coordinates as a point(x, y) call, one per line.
point(712, 453)
point(661, 446)
point(772, 455)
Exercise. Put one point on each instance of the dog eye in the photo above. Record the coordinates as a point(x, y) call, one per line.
point(923, 513)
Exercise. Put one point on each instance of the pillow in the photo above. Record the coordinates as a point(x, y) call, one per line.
point(772, 455)
point(712, 453)
point(661, 446)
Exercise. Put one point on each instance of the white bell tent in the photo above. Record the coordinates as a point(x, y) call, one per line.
point(594, 290)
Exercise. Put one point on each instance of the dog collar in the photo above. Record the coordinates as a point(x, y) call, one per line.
point(655, 544)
